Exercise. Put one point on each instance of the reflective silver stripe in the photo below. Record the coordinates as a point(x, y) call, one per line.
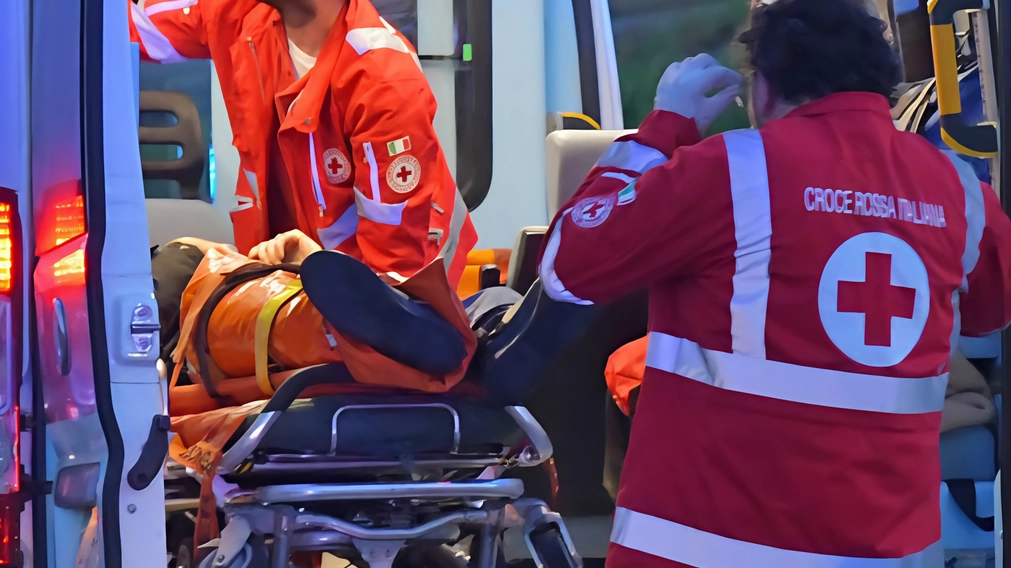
point(686, 545)
point(795, 383)
point(242, 203)
point(342, 229)
point(631, 155)
point(364, 40)
point(975, 212)
point(456, 222)
point(975, 220)
point(316, 189)
point(378, 212)
point(370, 155)
point(155, 44)
point(749, 189)
point(618, 176)
point(553, 286)
point(253, 185)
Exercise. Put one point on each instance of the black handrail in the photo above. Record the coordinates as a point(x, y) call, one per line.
point(475, 149)
point(586, 48)
point(1003, 80)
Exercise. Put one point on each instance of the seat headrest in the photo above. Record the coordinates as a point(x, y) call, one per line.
point(571, 155)
point(170, 219)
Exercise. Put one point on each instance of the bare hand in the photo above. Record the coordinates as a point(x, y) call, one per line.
point(287, 248)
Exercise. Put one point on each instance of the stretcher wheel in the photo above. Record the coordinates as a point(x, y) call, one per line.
point(253, 555)
point(551, 548)
point(184, 554)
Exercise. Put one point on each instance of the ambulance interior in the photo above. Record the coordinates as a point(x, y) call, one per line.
point(529, 96)
point(468, 125)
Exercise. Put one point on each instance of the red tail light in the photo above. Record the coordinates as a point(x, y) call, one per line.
point(6, 248)
point(11, 336)
point(11, 506)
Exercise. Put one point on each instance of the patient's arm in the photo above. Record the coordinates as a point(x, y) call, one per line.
point(968, 401)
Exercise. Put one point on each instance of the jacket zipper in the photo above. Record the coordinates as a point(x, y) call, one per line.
point(259, 74)
point(316, 189)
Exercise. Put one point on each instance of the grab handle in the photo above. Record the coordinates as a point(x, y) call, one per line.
point(973, 140)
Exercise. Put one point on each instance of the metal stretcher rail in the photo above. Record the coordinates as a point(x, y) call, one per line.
point(304, 493)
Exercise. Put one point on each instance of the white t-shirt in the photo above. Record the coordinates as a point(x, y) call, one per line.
point(303, 61)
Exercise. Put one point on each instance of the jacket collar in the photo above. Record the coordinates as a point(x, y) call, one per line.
point(844, 102)
point(311, 90)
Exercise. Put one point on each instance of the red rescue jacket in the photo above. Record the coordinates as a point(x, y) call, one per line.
point(806, 283)
point(355, 133)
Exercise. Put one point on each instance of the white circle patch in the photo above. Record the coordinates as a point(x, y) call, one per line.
point(404, 174)
point(336, 166)
point(592, 211)
point(874, 298)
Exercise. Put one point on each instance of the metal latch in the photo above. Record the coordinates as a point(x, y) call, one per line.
point(143, 328)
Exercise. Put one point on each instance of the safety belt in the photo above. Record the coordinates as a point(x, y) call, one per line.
point(264, 324)
point(963, 491)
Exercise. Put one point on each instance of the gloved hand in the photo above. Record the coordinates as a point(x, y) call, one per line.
point(683, 87)
point(291, 247)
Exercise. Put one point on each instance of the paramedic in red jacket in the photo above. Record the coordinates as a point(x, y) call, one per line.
point(332, 118)
point(807, 280)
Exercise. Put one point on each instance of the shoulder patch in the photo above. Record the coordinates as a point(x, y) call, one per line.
point(336, 166)
point(593, 211)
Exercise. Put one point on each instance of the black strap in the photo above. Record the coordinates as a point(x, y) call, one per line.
point(963, 491)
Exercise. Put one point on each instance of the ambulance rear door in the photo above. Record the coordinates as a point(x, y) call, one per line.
point(96, 333)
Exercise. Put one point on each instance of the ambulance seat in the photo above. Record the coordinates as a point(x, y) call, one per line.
point(570, 156)
point(569, 400)
point(969, 468)
point(170, 219)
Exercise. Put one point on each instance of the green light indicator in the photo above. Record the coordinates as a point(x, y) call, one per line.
point(468, 52)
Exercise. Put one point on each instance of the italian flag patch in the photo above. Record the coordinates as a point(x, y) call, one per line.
point(627, 195)
point(399, 146)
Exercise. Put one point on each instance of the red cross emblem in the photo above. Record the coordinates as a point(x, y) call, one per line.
point(405, 174)
point(336, 166)
point(874, 299)
point(877, 299)
point(592, 211)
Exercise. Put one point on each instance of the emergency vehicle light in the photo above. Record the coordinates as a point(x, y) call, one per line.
point(6, 248)
point(11, 499)
point(10, 529)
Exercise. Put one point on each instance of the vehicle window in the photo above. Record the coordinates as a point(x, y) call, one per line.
point(649, 35)
point(186, 89)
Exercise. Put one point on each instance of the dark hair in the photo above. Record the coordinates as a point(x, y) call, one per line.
point(808, 49)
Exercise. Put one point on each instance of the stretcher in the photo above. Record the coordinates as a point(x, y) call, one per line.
point(380, 474)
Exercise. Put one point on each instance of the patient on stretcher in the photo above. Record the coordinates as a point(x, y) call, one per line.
point(215, 304)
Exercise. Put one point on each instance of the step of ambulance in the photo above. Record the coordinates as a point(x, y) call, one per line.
point(385, 425)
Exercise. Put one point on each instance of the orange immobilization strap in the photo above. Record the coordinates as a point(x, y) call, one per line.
point(204, 456)
point(264, 323)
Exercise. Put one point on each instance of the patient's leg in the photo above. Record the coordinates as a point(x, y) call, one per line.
point(358, 304)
